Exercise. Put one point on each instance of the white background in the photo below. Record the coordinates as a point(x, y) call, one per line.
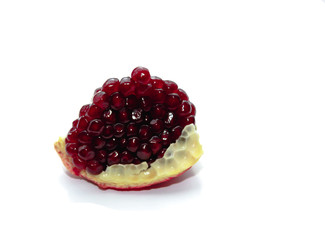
point(256, 72)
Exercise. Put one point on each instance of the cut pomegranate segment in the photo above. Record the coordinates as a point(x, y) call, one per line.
point(136, 132)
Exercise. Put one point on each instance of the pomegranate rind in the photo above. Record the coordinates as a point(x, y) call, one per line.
point(178, 158)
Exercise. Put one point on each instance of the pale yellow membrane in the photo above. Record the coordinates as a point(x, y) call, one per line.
point(179, 156)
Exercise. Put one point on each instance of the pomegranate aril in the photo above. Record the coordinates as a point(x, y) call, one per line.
point(79, 163)
point(144, 151)
point(94, 112)
point(126, 157)
point(145, 103)
point(131, 129)
point(182, 94)
point(146, 118)
point(86, 153)
point(193, 111)
point(170, 87)
point(161, 152)
point(137, 115)
point(175, 133)
point(97, 90)
point(157, 125)
point(101, 156)
point(72, 136)
point(84, 137)
point(95, 127)
point(109, 117)
point(111, 144)
point(71, 148)
point(111, 86)
point(131, 102)
point(155, 144)
point(141, 75)
point(82, 124)
point(99, 143)
point(101, 99)
point(136, 161)
point(108, 132)
point(172, 101)
point(157, 82)
point(144, 90)
point(124, 115)
point(122, 143)
point(74, 123)
point(127, 86)
point(144, 132)
point(187, 120)
point(184, 109)
point(158, 95)
point(170, 119)
point(94, 167)
point(119, 130)
point(117, 101)
point(83, 110)
point(165, 138)
point(158, 111)
point(113, 158)
point(133, 144)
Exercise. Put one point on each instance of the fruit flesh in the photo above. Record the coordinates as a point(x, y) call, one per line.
point(179, 157)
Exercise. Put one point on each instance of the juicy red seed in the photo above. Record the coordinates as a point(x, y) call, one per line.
point(95, 127)
point(109, 117)
point(122, 143)
point(72, 136)
point(172, 101)
point(131, 129)
point(155, 144)
point(124, 115)
point(145, 103)
point(187, 120)
point(94, 167)
point(126, 157)
point(127, 86)
point(111, 86)
point(157, 82)
point(156, 125)
point(111, 144)
point(165, 137)
point(193, 111)
point(97, 90)
point(158, 111)
point(144, 151)
point(141, 75)
point(136, 161)
point(117, 101)
point(133, 144)
point(94, 112)
point(71, 148)
point(184, 109)
point(144, 132)
point(74, 123)
point(137, 115)
point(119, 130)
point(83, 110)
point(101, 99)
point(82, 123)
point(113, 158)
point(161, 153)
point(99, 142)
point(108, 132)
point(131, 102)
point(86, 153)
point(158, 95)
point(170, 119)
point(170, 87)
point(101, 156)
point(84, 137)
point(144, 90)
point(182, 94)
point(175, 133)
point(79, 163)
point(146, 117)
